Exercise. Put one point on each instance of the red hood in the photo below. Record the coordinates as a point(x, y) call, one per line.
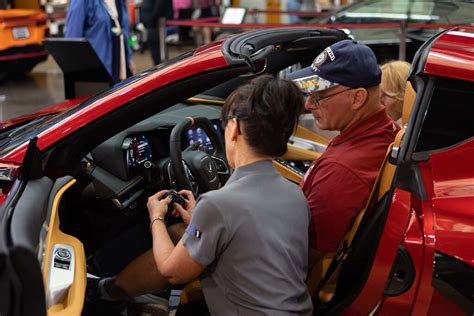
point(53, 109)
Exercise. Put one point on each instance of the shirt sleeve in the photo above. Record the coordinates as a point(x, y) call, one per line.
point(205, 236)
point(75, 19)
point(335, 196)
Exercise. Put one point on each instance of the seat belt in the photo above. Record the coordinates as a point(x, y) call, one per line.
point(332, 271)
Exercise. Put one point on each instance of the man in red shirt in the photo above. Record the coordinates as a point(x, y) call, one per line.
point(342, 86)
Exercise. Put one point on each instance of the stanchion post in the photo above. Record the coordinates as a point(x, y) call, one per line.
point(402, 50)
point(162, 39)
point(254, 16)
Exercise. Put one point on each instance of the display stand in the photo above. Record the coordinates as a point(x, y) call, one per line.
point(84, 73)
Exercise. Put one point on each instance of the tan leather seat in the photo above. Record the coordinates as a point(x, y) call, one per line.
point(410, 96)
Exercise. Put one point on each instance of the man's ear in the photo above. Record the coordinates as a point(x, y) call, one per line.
point(359, 98)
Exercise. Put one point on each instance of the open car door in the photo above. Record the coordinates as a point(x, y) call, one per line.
point(41, 269)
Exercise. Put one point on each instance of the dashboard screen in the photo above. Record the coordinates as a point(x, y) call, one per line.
point(138, 150)
point(199, 135)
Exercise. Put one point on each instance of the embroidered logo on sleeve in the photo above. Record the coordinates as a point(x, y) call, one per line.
point(191, 230)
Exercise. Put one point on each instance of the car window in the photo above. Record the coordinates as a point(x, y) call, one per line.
point(448, 120)
point(454, 12)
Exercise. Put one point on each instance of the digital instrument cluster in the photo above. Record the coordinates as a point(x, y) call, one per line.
point(137, 151)
point(198, 134)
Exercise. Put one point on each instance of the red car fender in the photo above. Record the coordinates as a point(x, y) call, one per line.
point(453, 201)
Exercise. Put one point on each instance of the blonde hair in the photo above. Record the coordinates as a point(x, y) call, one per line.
point(394, 78)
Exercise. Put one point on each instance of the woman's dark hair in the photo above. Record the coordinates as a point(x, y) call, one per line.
point(268, 110)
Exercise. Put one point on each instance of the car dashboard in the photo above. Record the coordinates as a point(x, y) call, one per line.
point(133, 162)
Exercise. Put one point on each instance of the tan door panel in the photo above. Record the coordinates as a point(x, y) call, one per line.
point(71, 301)
point(303, 132)
point(298, 153)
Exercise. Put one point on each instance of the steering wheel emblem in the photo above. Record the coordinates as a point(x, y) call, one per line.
point(209, 174)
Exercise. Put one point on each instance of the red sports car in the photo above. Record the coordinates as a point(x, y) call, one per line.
point(75, 178)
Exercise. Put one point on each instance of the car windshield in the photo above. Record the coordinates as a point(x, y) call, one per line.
point(445, 12)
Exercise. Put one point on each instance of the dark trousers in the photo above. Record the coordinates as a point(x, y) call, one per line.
point(184, 31)
point(154, 43)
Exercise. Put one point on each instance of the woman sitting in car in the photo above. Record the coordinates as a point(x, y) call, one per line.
point(248, 241)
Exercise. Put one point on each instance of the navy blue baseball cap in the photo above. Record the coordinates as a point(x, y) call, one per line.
point(346, 63)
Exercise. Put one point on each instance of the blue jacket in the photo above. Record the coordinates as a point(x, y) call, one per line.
point(90, 19)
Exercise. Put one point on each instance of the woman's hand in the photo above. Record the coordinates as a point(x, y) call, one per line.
point(186, 211)
point(157, 206)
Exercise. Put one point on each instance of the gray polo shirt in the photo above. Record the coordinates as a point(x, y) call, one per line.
point(253, 236)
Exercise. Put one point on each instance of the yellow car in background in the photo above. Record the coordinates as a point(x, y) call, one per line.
point(22, 32)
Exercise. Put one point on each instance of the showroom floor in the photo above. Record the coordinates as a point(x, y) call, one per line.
point(44, 86)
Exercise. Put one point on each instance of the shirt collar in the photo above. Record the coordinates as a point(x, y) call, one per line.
point(361, 127)
point(252, 168)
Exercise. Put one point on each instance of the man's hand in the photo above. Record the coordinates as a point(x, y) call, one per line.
point(186, 212)
point(157, 206)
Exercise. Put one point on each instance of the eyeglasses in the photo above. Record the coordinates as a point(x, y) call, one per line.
point(317, 100)
point(227, 118)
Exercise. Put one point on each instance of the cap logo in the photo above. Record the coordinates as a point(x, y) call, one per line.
point(320, 59)
point(330, 53)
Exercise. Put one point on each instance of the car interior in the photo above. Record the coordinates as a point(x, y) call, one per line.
point(95, 211)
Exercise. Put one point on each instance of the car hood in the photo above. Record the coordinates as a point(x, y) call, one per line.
point(53, 109)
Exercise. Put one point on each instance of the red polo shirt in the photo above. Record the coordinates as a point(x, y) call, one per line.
point(338, 184)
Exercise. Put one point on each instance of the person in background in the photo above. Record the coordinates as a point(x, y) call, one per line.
point(392, 88)
point(183, 10)
point(205, 9)
point(151, 11)
point(105, 24)
point(342, 85)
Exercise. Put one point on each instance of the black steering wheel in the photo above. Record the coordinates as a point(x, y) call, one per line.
point(194, 169)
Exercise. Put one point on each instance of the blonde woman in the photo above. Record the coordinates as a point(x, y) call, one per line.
point(392, 92)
